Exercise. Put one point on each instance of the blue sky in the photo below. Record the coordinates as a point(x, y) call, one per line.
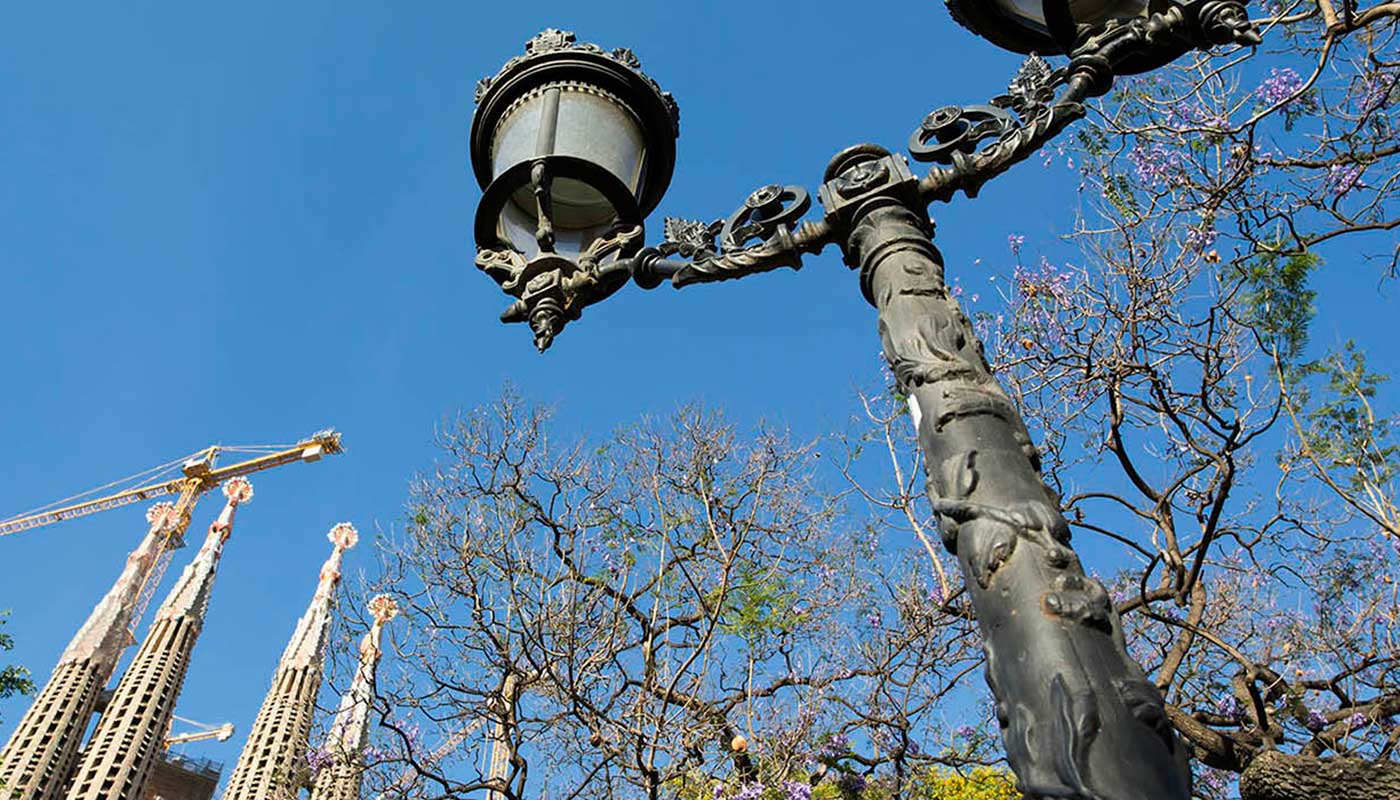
point(243, 224)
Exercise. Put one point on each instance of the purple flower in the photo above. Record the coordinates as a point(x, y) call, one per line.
point(1047, 282)
point(793, 790)
point(966, 732)
point(1155, 165)
point(752, 791)
point(614, 565)
point(1342, 178)
point(1194, 115)
point(1015, 241)
point(1229, 706)
point(1358, 720)
point(318, 759)
point(1199, 237)
point(1214, 779)
point(873, 618)
point(1376, 88)
point(1280, 87)
point(1040, 294)
point(834, 747)
point(1316, 721)
point(936, 596)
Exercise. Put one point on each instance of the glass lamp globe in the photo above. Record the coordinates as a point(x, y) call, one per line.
point(569, 142)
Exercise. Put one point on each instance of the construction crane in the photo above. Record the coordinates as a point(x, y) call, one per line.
point(406, 777)
point(498, 749)
point(204, 732)
point(197, 475)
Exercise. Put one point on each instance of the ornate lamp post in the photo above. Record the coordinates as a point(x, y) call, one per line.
point(574, 145)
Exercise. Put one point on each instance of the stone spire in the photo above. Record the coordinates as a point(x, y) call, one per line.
point(349, 733)
point(41, 754)
point(130, 733)
point(272, 757)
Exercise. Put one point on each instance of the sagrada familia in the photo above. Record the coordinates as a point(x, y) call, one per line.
point(125, 758)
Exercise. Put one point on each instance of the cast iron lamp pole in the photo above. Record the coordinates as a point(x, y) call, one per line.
point(574, 145)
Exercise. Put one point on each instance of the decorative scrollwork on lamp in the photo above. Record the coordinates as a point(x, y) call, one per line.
point(763, 213)
point(757, 237)
point(689, 238)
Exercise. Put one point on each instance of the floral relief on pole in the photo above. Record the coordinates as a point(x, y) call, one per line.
point(1069, 700)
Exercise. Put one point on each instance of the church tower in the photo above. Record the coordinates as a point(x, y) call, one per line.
point(130, 733)
point(349, 733)
point(277, 744)
point(41, 754)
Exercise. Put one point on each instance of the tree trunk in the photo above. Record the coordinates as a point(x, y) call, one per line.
point(1275, 776)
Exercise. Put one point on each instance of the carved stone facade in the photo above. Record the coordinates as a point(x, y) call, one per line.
point(273, 759)
point(41, 754)
point(130, 735)
point(341, 779)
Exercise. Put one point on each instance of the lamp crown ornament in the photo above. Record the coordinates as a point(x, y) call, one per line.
point(550, 39)
point(553, 40)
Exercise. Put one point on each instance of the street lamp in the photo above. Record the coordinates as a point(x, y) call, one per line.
point(574, 146)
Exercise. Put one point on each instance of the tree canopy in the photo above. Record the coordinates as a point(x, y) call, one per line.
point(14, 679)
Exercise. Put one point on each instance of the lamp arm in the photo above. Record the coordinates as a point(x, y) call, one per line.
point(764, 234)
point(783, 247)
point(1016, 139)
point(1030, 114)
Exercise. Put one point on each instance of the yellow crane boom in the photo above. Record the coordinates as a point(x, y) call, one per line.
point(198, 475)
